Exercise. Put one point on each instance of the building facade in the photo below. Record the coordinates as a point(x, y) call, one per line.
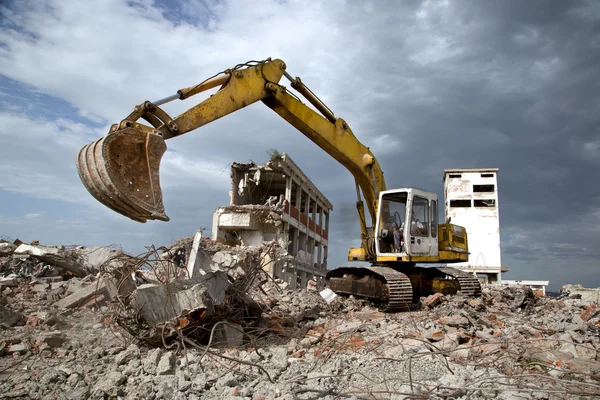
point(471, 201)
point(276, 203)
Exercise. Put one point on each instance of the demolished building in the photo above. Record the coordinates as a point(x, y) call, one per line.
point(277, 203)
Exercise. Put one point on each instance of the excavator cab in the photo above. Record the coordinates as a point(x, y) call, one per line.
point(407, 224)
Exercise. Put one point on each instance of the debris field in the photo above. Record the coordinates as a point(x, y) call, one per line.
point(201, 320)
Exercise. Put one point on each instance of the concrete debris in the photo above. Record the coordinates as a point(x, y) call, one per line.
point(588, 294)
point(10, 318)
point(161, 303)
point(232, 330)
point(90, 292)
point(328, 295)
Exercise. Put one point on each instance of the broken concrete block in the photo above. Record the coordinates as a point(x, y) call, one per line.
point(53, 256)
point(349, 326)
point(52, 339)
point(456, 321)
point(84, 295)
point(10, 318)
point(191, 264)
point(17, 348)
point(10, 280)
point(111, 384)
point(7, 248)
point(224, 260)
point(95, 257)
point(231, 334)
point(166, 365)
point(150, 362)
point(132, 352)
point(162, 303)
point(328, 295)
point(216, 283)
point(79, 393)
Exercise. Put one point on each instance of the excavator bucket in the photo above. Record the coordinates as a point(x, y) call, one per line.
point(121, 170)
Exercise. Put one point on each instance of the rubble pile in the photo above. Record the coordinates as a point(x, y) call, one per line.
point(200, 320)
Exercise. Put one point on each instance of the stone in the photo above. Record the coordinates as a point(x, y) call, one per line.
point(10, 318)
point(166, 365)
point(80, 393)
point(348, 326)
point(150, 362)
point(132, 352)
point(52, 339)
point(17, 348)
point(10, 280)
point(111, 384)
point(523, 299)
point(455, 321)
point(433, 300)
point(84, 295)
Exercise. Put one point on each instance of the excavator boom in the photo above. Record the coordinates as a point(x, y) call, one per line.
point(121, 170)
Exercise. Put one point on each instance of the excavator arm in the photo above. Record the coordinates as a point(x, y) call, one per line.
point(121, 170)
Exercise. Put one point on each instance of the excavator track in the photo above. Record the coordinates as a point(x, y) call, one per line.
point(469, 284)
point(397, 287)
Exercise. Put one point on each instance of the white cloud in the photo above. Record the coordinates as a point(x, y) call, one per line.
point(37, 157)
point(32, 215)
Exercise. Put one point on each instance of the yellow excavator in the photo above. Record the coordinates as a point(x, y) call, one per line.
point(121, 170)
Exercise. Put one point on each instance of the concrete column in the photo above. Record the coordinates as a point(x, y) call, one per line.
point(298, 196)
point(288, 189)
point(320, 222)
point(296, 241)
point(319, 253)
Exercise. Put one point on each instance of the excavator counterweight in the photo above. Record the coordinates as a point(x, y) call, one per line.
point(121, 170)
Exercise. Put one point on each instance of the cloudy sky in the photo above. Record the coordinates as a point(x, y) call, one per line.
point(427, 85)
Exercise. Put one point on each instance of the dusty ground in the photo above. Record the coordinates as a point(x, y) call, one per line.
point(259, 340)
point(507, 344)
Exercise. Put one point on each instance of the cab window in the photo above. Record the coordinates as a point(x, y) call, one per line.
point(419, 224)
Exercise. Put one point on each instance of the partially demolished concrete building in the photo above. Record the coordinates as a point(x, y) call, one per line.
point(275, 203)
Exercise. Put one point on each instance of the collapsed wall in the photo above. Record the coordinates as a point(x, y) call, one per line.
point(276, 203)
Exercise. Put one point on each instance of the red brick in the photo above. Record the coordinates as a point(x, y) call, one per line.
point(590, 312)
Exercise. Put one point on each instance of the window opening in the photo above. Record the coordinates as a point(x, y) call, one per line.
point(484, 203)
point(460, 203)
point(487, 175)
point(483, 188)
point(455, 175)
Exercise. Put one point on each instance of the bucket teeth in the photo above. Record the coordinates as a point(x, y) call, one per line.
point(121, 171)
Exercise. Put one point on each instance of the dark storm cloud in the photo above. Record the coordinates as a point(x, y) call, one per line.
point(519, 91)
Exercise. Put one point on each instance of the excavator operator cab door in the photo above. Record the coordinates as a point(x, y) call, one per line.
point(407, 224)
